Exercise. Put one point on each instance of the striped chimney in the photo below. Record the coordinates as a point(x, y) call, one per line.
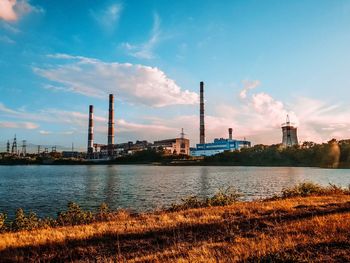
point(90, 148)
point(111, 125)
point(201, 113)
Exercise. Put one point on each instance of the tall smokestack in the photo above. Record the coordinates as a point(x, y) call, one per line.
point(90, 148)
point(230, 133)
point(111, 125)
point(201, 113)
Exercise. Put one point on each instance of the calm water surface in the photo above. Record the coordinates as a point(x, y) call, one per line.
point(47, 189)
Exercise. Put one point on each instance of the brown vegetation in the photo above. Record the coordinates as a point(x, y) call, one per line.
point(303, 229)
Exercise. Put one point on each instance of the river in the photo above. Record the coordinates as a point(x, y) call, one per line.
point(47, 189)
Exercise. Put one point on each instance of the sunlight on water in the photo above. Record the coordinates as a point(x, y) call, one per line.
point(47, 189)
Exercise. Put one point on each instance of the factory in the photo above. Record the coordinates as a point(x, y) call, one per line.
point(110, 151)
point(219, 145)
point(177, 146)
point(102, 151)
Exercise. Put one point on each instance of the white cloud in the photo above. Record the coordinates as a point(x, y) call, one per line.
point(19, 125)
point(146, 49)
point(12, 10)
point(136, 84)
point(109, 16)
point(7, 11)
point(43, 132)
point(248, 85)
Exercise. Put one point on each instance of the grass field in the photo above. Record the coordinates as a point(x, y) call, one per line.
point(302, 229)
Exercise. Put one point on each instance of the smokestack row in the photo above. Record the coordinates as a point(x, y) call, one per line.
point(110, 145)
point(201, 114)
point(111, 125)
point(90, 148)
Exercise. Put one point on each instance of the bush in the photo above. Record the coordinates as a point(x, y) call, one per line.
point(103, 213)
point(224, 197)
point(3, 226)
point(308, 189)
point(74, 216)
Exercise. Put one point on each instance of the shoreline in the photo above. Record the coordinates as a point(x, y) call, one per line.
point(294, 229)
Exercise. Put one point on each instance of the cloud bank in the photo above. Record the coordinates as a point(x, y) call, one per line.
point(12, 10)
point(136, 84)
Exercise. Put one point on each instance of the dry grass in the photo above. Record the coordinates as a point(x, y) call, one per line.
point(302, 229)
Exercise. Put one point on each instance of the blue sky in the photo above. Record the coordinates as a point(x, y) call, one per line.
point(259, 60)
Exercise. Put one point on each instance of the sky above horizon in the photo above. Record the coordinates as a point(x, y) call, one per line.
point(259, 60)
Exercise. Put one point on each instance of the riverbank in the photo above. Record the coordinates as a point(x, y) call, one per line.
point(312, 228)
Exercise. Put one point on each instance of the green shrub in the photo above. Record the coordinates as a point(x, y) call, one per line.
point(3, 226)
point(103, 212)
point(74, 216)
point(224, 197)
point(308, 189)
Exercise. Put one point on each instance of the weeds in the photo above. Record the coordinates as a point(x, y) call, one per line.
point(75, 215)
point(224, 197)
point(309, 189)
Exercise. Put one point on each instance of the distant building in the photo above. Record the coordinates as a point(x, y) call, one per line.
point(219, 146)
point(289, 134)
point(177, 146)
point(70, 154)
point(121, 149)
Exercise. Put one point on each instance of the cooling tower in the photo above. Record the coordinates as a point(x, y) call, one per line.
point(289, 134)
point(230, 133)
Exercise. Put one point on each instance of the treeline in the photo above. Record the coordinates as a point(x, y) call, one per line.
point(334, 154)
point(149, 156)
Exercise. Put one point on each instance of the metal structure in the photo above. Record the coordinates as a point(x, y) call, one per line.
point(14, 145)
point(111, 126)
point(289, 133)
point(90, 148)
point(201, 115)
point(8, 147)
point(230, 133)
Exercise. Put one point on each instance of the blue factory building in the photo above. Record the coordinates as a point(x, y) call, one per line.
point(218, 146)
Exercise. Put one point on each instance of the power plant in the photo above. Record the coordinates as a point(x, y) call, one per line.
point(289, 134)
point(105, 151)
point(220, 144)
point(176, 146)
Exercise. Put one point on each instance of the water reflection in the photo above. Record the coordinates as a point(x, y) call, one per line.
point(47, 189)
point(204, 182)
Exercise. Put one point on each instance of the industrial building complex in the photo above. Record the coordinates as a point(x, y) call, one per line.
point(179, 145)
point(110, 151)
point(218, 145)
